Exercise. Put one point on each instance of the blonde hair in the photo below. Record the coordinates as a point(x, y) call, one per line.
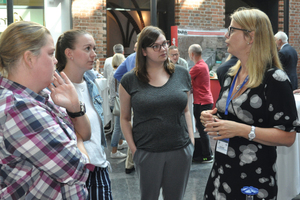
point(18, 38)
point(263, 54)
point(117, 59)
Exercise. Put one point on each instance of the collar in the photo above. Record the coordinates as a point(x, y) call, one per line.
point(283, 45)
point(15, 87)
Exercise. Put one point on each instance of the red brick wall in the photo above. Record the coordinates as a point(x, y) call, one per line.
point(200, 14)
point(197, 14)
point(90, 15)
point(294, 30)
point(280, 15)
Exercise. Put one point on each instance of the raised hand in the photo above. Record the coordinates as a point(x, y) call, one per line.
point(63, 93)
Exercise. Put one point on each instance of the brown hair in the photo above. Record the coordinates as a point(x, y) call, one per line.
point(147, 37)
point(66, 40)
point(17, 38)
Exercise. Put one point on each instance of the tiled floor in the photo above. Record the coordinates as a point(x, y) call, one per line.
point(126, 186)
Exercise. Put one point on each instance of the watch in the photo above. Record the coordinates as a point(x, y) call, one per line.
point(251, 135)
point(80, 113)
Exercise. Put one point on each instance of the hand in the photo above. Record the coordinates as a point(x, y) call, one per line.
point(223, 128)
point(98, 65)
point(297, 91)
point(63, 93)
point(208, 116)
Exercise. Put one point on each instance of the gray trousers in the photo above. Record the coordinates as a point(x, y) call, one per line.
point(167, 170)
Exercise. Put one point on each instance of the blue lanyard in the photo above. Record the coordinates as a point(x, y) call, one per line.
point(229, 98)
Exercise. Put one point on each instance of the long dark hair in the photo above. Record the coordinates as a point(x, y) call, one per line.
point(147, 37)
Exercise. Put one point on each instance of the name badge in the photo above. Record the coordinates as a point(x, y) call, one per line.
point(222, 146)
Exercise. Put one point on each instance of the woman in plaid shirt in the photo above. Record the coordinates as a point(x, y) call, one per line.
point(40, 155)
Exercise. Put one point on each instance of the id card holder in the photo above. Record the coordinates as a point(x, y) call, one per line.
point(222, 146)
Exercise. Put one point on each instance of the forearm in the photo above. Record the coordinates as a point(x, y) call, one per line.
point(127, 132)
point(188, 120)
point(80, 145)
point(82, 126)
point(268, 136)
point(189, 126)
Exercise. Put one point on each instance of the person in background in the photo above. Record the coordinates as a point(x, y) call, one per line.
point(250, 118)
point(174, 57)
point(125, 67)
point(161, 136)
point(223, 69)
point(108, 67)
point(203, 99)
point(75, 52)
point(288, 57)
point(117, 135)
point(40, 155)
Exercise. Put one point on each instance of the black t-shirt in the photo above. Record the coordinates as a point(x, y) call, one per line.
point(159, 122)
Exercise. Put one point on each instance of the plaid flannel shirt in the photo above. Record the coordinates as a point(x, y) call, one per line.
point(39, 158)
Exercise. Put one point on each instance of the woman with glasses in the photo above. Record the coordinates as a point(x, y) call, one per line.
point(161, 136)
point(251, 118)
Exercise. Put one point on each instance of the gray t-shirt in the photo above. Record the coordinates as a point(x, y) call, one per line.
point(159, 122)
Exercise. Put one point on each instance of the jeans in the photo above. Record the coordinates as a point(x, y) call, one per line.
point(204, 139)
point(117, 133)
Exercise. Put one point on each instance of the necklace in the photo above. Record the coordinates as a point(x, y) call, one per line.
point(238, 87)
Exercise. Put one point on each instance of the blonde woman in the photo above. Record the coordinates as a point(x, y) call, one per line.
point(251, 117)
point(117, 135)
point(39, 157)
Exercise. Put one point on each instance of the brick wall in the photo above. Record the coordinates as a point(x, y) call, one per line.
point(294, 30)
point(280, 15)
point(200, 14)
point(90, 15)
point(194, 14)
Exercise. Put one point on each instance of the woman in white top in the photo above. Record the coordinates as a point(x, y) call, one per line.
point(117, 135)
point(75, 52)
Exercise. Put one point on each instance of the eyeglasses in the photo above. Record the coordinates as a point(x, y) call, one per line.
point(230, 30)
point(176, 54)
point(157, 47)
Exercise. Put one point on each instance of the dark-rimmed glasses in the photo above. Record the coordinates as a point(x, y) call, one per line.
point(230, 30)
point(157, 47)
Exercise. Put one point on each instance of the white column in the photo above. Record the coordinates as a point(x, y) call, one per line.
point(58, 17)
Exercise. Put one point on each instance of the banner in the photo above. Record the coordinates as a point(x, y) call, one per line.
point(174, 36)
